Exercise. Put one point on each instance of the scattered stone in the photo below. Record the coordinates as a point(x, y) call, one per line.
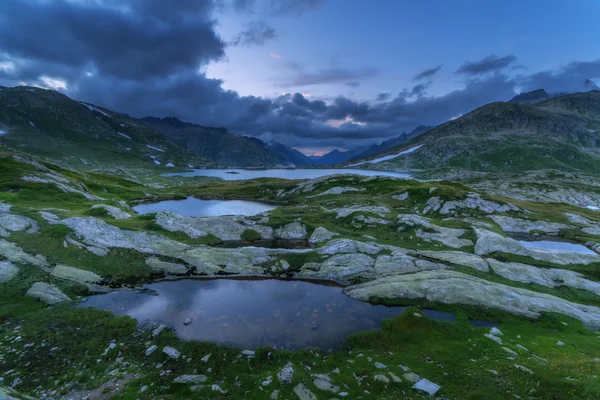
point(559, 343)
point(205, 358)
point(303, 393)
point(323, 382)
point(428, 387)
point(217, 388)
point(7, 271)
point(196, 379)
point(151, 349)
point(510, 351)
point(286, 374)
point(522, 368)
point(401, 196)
point(274, 395)
point(395, 378)
point(379, 365)
point(75, 275)
point(382, 378)
point(493, 337)
point(412, 377)
point(496, 332)
point(248, 352)
point(187, 321)
point(47, 293)
point(171, 352)
point(493, 371)
point(267, 381)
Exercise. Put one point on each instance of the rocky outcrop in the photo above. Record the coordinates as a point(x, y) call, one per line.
point(321, 235)
point(47, 293)
point(158, 265)
point(340, 268)
point(452, 287)
point(518, 225)
point(458, 258)
point(14, 253)
point(401, 196)
point(334, 191)
point(227, 227)
point(14, 223)
point(400, 263)
point(291, 231)
point(590, 227)
point(450, 237)
point(7, 271)
point(75, 275)
point(113, 211)
point(489, 242)
point(62, 183)
point(549, 277)
point(338, 246)
point(345, 212)
point(473, 202)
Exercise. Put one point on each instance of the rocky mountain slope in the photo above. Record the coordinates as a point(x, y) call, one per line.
point(561, 134)
point(224, 147)
point(55, 127)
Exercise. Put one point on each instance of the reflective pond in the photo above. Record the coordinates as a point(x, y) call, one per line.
point(556, 246)
point(244, 174)
point(253, 312)
point(193, 207)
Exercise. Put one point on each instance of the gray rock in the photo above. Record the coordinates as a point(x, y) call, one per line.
point(151, 349)
point(518, 225)
point(187, 321)
point(452, 287)
point(334, 191)
point(338, 246)
point(286, 374)
point(458, 258)
point(347, 211)
point(47, 293)
point(158, 330)
point(549, 277)
point(75, 275)
point(395, 379)
point(274, 395)
point(490, 242)
point(400, 263)
point(412, 377)
point(17, 223)
point(426, 386)
point(303, 393)
point(7, 271)
point(382, 378)
point(158, 265)
point(195, 379)
point(217, 388)
point(340, 267)
point(475, 202)
point(447, 236)
point(493, 337)
point(401, 196)
point(522, 368)
point(323, 382)
point(321, 235)
point(113, 211)
point(13, 253)
point(291, 231)
point(171, 352)
point(379, 365)
point(496, 332)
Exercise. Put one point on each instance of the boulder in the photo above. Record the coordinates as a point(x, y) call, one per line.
point(75, 275)
point(286, 374)
point(195, 379)
point(171, 352)
point(401, 196)
point(291, 231)
point(490, 242)
point(7, 271)
point(426, 386)
point(453, 287)
point(518, 225)
point(113, 211)
point(320, 235)
point(323, 382)
point(304, 393)
point(47, 293)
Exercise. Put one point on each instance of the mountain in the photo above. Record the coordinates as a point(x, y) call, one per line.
point(55, 127)
point(339, 157)
point(562, 133)
point(590, 85)
point(530, 97)
point(224, 147)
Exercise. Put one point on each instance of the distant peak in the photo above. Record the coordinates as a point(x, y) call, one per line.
point(531, 97)
point(590, 85)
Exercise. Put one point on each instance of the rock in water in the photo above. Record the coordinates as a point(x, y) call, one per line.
point(428, 387)
point(303, 393)
point(47, 293)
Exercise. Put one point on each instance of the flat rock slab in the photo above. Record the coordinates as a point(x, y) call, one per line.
point(426, 386)
point(7, 271)
point(47, 293)
point(304, 393)
point(75, 275)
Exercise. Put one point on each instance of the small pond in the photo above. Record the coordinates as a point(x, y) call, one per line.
point(193, 207)
point(556, 246)
point(244, 174)
point(253, 312)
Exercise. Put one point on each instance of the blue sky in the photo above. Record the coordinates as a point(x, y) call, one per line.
point(312, 74)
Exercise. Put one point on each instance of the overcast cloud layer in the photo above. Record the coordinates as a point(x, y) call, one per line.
point(145, 57)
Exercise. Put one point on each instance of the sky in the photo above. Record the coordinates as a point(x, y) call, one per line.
point(312, 74)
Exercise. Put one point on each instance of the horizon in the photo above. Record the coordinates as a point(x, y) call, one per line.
point(282, 70)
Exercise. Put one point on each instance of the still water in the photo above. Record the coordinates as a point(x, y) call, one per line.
point(193, 207)
point(557, 246)
point(243, 174)
point(251, 313)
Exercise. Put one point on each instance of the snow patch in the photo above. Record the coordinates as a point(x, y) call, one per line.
point(390, 157)
point(169, 165)
point(92, 108)
point(124, 135)
point(156, 162)
point(155, 148)
point(592, 208)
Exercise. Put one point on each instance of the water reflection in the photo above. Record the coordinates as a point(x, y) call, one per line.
point(253, 313)
point(557, 246)
point(193, 207)
point(243, 174)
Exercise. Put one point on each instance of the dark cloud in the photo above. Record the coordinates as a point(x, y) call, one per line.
point(276, 7)
point(383, 96)
point(353, 84)
point(256, 34)
point(330, 75)
point(490, 63)
point(428, 73)
point(570, 78)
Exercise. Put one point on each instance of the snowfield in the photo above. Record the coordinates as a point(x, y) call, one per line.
point(389, 157)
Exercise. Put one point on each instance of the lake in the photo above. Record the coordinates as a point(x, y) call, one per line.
point(193, 207)
point(244, 174)
point(557, 246)
point(250, 313)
